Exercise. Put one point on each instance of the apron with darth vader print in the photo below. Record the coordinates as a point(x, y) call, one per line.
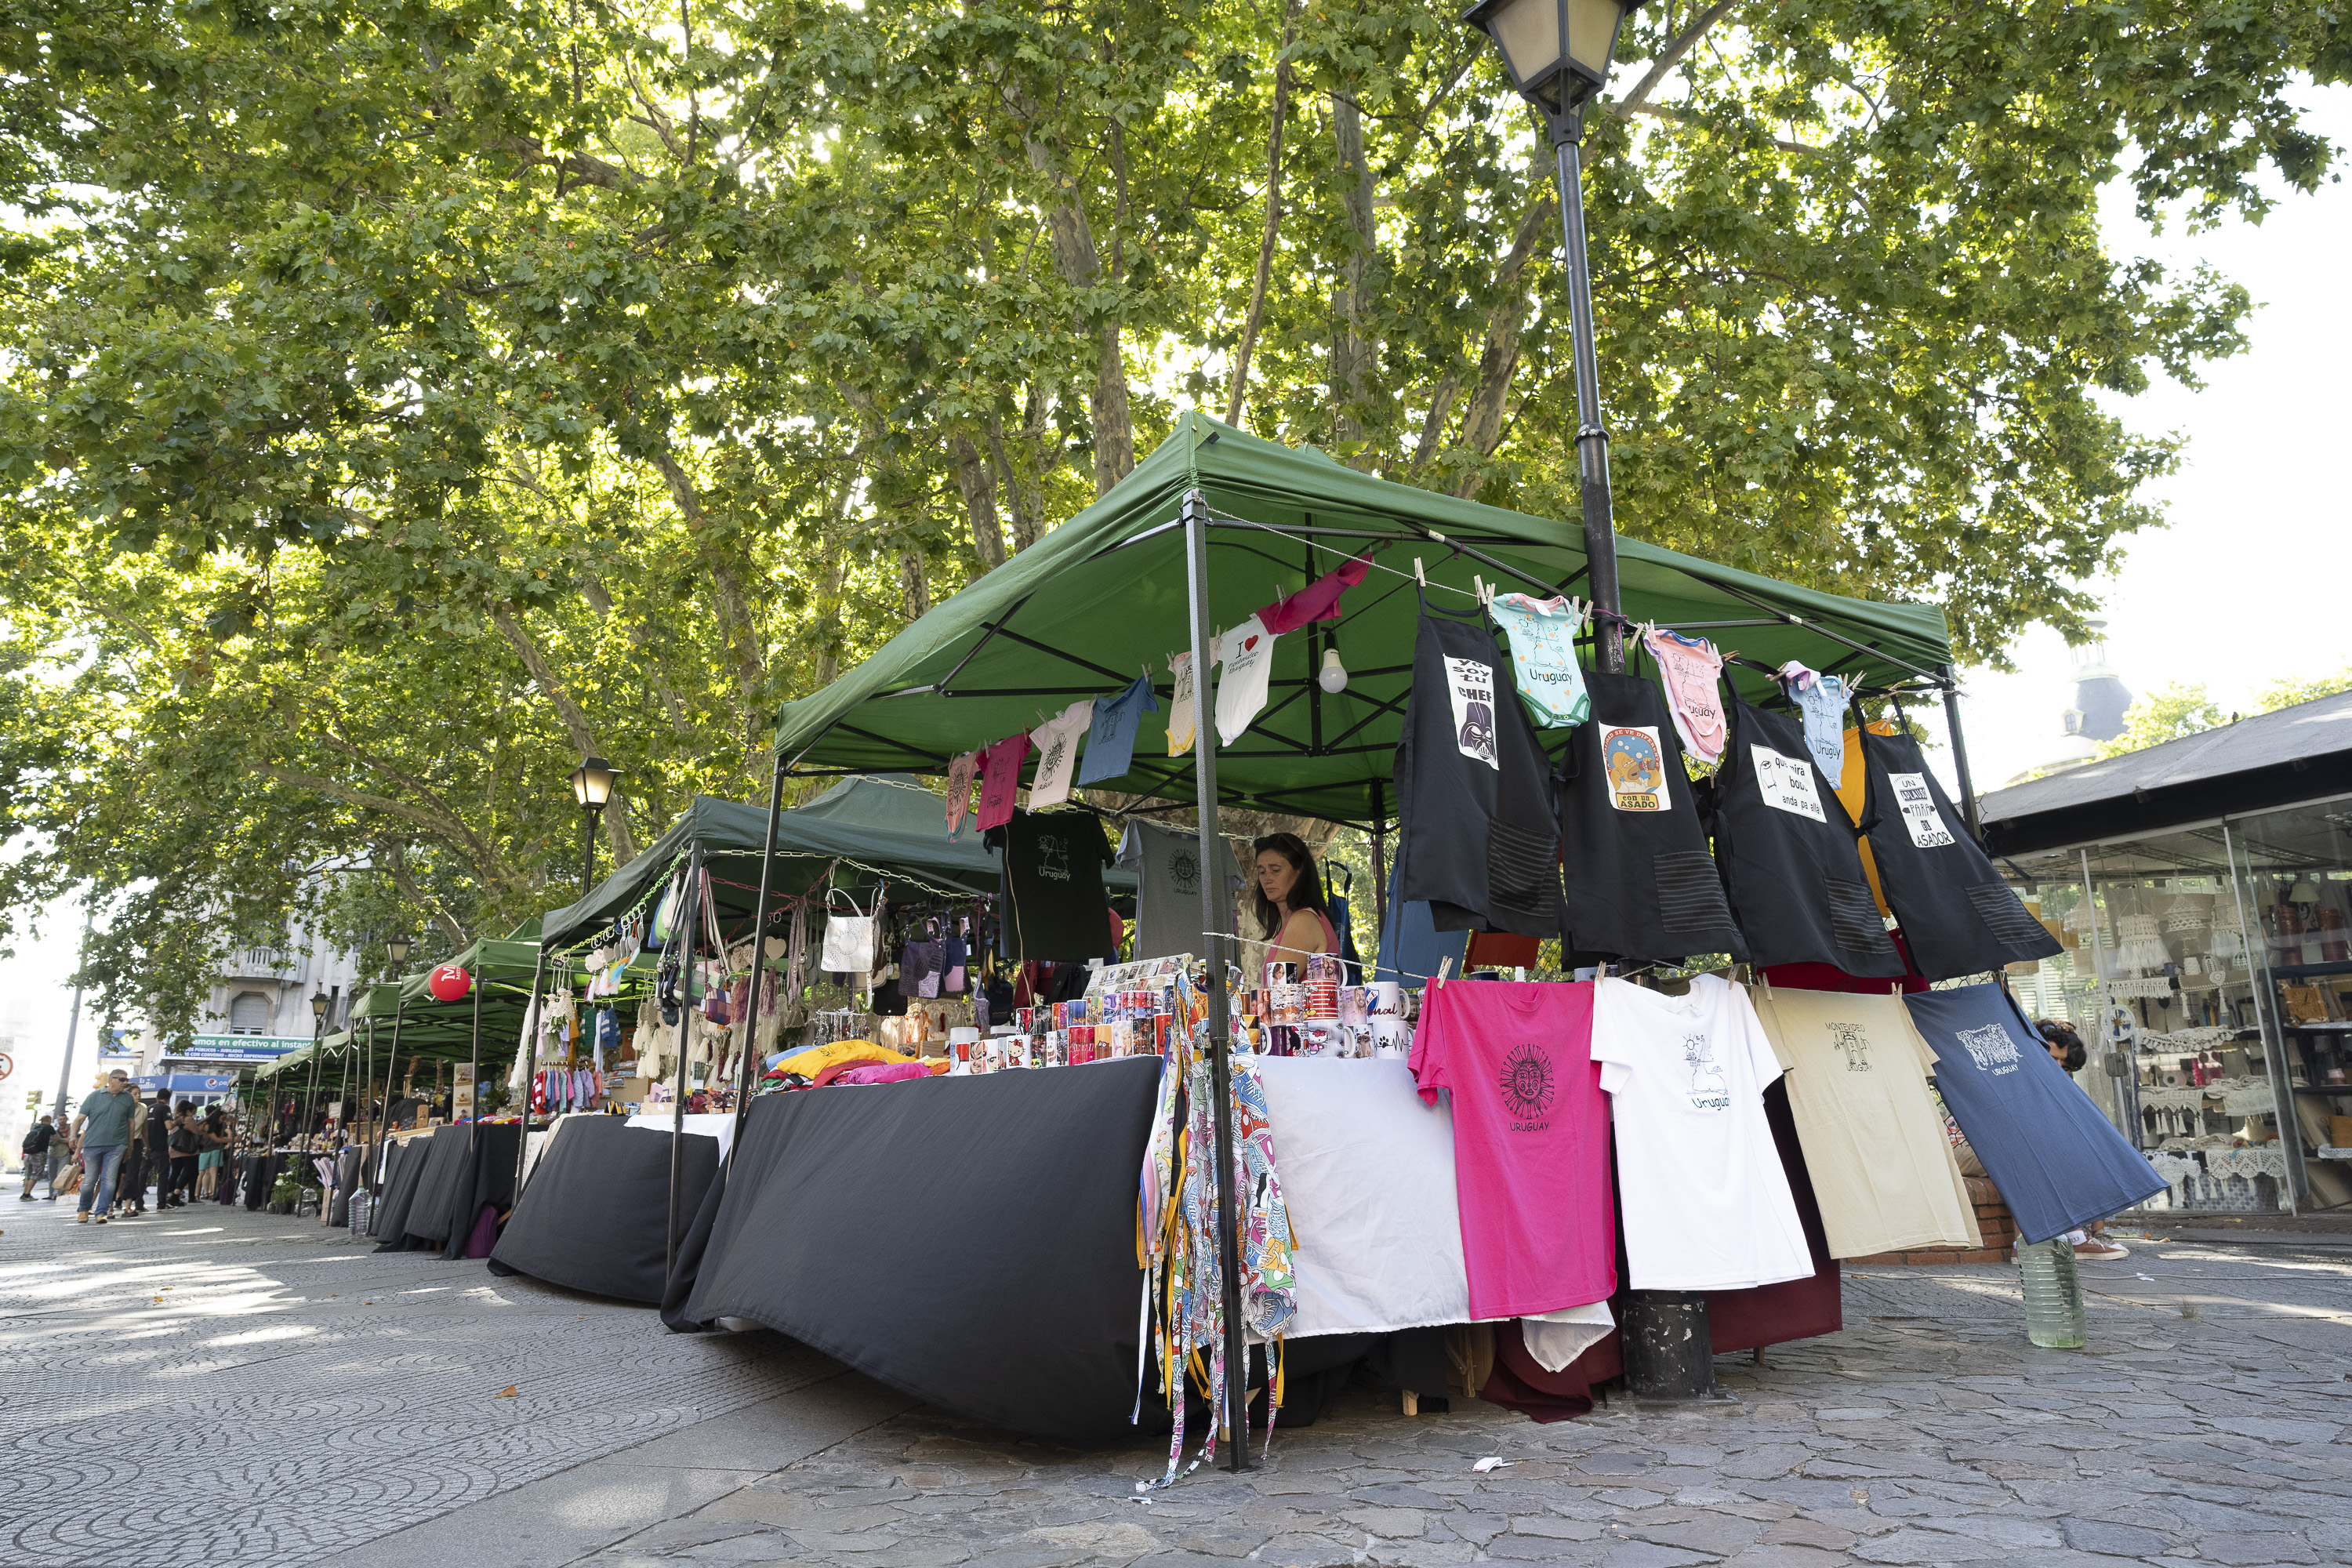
point(1640, 882)
point(1474, 790)
point(1958, 916)
point(1791, 862)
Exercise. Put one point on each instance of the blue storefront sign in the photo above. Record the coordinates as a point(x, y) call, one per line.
point(187, 1082)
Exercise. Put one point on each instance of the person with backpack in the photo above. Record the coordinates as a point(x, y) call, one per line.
point(36, 1151)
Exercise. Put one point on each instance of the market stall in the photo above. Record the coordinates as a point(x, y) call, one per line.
point(1304, 584)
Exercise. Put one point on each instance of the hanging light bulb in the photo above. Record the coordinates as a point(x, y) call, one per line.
point(1333, 676)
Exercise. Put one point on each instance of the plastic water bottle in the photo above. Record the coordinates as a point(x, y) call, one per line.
point(2054, 1294)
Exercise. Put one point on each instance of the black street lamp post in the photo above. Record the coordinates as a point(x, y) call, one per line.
point(1557, 52)
point(591, 786)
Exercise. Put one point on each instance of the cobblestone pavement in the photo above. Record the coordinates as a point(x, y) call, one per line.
point(291, 1397)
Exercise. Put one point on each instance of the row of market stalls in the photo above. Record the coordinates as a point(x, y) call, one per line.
point(1058, 1237)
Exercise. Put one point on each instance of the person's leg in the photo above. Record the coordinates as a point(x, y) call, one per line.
point(164, 1188)
point(100, 1169)
point(184, 1178)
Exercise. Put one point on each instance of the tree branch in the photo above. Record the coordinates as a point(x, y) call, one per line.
point(575, 720)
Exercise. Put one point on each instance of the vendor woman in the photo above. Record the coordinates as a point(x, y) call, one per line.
point(1288, 900)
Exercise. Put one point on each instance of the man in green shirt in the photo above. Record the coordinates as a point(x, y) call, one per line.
point(104, 1127)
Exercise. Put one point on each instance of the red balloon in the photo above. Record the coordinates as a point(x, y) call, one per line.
point(449, 983)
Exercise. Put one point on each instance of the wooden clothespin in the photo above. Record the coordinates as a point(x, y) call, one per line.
point(1418, 575)
point(1443, 966)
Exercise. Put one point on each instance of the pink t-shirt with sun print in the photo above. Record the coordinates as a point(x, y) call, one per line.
point(1531, 1140)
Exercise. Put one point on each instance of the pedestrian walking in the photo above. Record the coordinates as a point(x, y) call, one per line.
point(211, 1151)
point(186, 1144)
point(36, 1151)
point(157, 1131)
point(102, 1127)
point(131, 1182)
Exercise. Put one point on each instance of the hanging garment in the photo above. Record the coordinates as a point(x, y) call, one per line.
point(1790, 865)
point(2059, 1163)
point(960, 772)
point(1821, 699)
point(1246, 656)
point(1956, 913)
point(1343, 920)
point(1110, 736)
point(1057, 744)
point(1167, 865)
point(1706, 1205)
point(1691, 672)
point(1543, 657)
point(959, 954)
point(1053, 885)
point(1412, 947)
point(1479, 844)
point(1181, 716)
point(1318, 600)
point(1000, 779)
point(1531, 1141)
point(1497, 949)
point(1641, 884)
point(1857, 1075)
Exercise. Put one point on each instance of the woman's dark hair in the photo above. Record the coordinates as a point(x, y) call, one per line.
point(2063, 1036)
point(185, 1107)
point(1306, 893)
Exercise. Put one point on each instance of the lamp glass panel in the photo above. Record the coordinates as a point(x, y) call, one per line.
point(1592, 34)
point(1528, 31)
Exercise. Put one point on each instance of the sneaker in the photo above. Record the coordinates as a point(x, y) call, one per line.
point(83, 1218)
point(2100, 1248)
point(100, 1220)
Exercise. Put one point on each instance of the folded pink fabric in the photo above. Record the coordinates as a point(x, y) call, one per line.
point(1318, 600)
point(884, 1072)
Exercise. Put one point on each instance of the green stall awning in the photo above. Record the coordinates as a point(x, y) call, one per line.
point(1104, 596)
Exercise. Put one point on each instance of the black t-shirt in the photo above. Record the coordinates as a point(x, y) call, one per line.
point(159, 1127)
point(36, 1141)
point(1054, 904)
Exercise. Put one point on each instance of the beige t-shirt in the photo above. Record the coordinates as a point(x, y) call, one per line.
point(1883, 1171)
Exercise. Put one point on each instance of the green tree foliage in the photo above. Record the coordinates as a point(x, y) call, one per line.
point(400, 400)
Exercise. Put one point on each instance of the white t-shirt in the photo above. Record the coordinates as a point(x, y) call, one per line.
point(1706, 1203)
point(1247, 652)
point(1056, 741)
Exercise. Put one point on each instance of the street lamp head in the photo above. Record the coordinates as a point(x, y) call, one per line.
point(318, 1006)
point(592, 783)
point(396, 949)
point(1557, 51)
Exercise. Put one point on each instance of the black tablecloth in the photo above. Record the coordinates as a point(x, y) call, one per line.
point(595, 1213)
point(259, 1174)
point(434, 1198)
point(404, 1164)
point(968, 1240)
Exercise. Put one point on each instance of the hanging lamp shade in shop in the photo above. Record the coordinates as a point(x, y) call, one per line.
point(448, 983)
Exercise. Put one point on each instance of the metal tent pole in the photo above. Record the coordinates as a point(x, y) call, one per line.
point(1960, 754)
point(689, 919)
point(747, 1052)
point(474, 1069)
point(1235, 1416)
point(310, 1095)
point(530, 1042)
point(1380, 871)
point(367, 1097)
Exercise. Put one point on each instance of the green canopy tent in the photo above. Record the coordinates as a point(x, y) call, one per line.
point(1217, 524)
point(863, 829)
point(1105, 597)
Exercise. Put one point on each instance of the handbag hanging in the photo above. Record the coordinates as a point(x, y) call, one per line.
point(848, 947)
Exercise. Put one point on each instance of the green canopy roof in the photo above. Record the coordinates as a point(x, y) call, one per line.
point(1102, 597)
point(501, 967)
point(888, 826)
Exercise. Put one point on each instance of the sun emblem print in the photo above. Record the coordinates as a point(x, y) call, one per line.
point(1528, 1086)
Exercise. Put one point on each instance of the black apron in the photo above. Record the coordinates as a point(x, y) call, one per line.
point(1789, 856)
point(1957, 914)
point(1477, 841)
point(1640, 883)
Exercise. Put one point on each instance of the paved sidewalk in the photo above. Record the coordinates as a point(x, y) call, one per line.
point(294, 1398)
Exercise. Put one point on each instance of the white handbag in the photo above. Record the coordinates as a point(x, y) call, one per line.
point(848, 942)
